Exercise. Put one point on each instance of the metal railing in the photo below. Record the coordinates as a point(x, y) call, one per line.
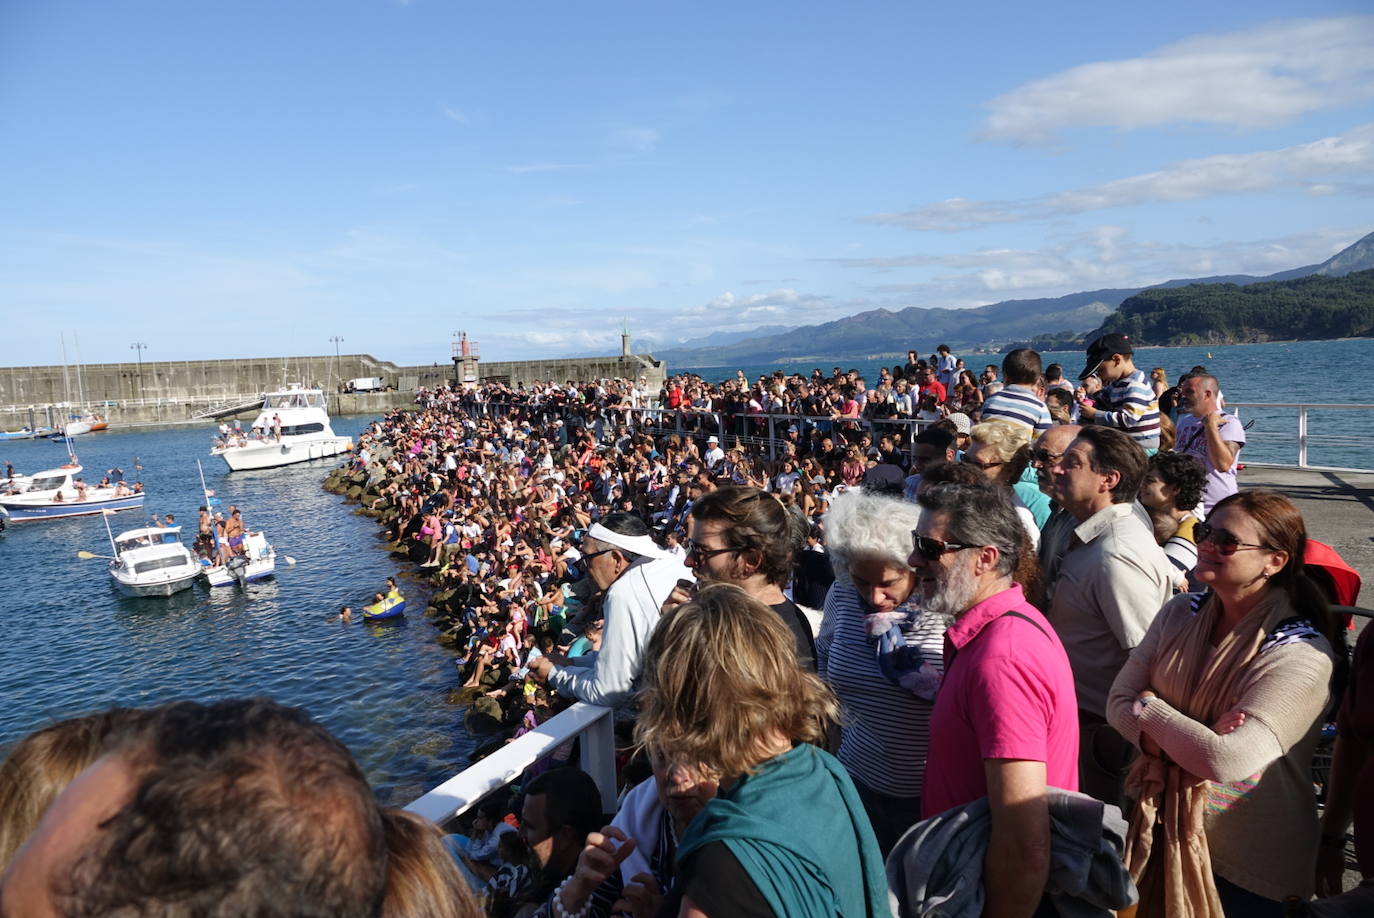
point(1306, 432)
point(592, 724)
point(1346, 438)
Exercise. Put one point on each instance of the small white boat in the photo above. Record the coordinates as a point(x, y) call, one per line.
point(258, 562)
point(152, 562)
point(55, 494)
point(293, 426)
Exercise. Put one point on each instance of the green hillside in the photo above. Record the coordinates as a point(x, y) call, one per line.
point(1316, 307)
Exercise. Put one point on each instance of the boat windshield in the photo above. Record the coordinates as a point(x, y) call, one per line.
point(279, 400)
point(158, 564)
point(50, 483)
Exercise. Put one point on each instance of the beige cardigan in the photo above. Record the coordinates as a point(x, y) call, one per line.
point(1262, 815)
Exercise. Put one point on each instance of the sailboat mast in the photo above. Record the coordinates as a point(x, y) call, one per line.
point(66, 380)
point(80, 386)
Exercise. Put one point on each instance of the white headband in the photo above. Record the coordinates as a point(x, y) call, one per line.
point(640, 545)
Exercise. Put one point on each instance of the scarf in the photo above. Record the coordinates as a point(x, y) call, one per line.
point(903, 665)
point(797, 854)
point(1166, 847)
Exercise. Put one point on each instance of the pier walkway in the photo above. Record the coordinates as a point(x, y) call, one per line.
point(1338, 507)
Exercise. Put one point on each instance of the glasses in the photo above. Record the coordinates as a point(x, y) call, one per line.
point(697, 551)
point(596, 554)
point(932, 549)
point(969, 460)
point(1225, 541)
point(1045, 457)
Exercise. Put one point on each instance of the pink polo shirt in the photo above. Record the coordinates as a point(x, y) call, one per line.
point(1007, 694)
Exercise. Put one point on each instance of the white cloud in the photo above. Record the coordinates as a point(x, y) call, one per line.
point(1310, 166)
point(453, 114)
point(730, 307)
point(1257, 77)
point(1105, 256)
point(636, 139)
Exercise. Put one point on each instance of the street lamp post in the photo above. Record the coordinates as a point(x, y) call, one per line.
point(337, 339)
point(139, 347)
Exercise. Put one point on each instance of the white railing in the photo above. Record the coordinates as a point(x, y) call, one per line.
point(1352, 437)
point(595, 726)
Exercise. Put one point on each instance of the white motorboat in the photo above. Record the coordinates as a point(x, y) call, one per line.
point(293, 426)
point(152, 562)
point(258, 562)
point(57, 493)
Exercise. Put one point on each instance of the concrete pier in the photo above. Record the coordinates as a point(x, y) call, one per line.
point(1338, 508)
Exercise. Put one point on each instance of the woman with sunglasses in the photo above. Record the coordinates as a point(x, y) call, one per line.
point(1001, 450)
point(873, 608)
point(1224, 698)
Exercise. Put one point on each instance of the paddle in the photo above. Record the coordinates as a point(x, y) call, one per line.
point(85, 555)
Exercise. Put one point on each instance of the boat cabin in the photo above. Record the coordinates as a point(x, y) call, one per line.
point(147, 537)
point(293, 398)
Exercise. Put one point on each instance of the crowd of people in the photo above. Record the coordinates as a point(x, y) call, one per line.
point(1003, 646)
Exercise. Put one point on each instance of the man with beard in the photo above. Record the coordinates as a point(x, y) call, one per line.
point(1005, 721)
point(745, 536)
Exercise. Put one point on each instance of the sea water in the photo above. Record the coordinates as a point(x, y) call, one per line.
point(72, 644)
point(1313, 372)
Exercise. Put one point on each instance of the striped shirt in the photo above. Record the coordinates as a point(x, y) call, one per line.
point(1133, 408)
point(886, 729)
point(1020, 405)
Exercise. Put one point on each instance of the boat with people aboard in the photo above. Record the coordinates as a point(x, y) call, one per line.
point(152, 561)
point(252, 559)
point(258, 562)
point(292, 426)
point(59, 493)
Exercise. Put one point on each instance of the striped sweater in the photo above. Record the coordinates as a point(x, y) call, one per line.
point(1020, 405)
point(1132, 407)
point(886, 729)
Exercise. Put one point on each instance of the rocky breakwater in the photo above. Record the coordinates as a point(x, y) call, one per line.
point(445, 599)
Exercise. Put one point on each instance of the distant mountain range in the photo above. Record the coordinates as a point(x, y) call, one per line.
point(884, 332)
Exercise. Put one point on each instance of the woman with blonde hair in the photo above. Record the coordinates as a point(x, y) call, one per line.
point(1224, 697)
point(1000, 449)
point(422, 880)
point(724, 693)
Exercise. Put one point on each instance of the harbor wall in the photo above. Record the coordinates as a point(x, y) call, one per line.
point(578, 369)
point(171, 392)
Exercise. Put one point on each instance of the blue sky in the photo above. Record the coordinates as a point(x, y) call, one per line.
point(251, 178)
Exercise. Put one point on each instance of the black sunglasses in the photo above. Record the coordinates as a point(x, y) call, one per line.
point(696, 551)
point(932, 549)
point(1045, 457)
point(1225, 541)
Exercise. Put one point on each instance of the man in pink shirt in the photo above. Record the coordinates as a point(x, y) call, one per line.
point(1005, 722)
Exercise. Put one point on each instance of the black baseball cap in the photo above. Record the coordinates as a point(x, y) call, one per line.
point(1108, 345)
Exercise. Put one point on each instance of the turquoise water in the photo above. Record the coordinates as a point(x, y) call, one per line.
point(72, 644)
point(1294, 371)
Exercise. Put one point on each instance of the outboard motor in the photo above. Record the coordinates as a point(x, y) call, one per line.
point(238, 567)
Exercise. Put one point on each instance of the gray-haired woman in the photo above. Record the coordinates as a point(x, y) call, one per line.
point(880, 652)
